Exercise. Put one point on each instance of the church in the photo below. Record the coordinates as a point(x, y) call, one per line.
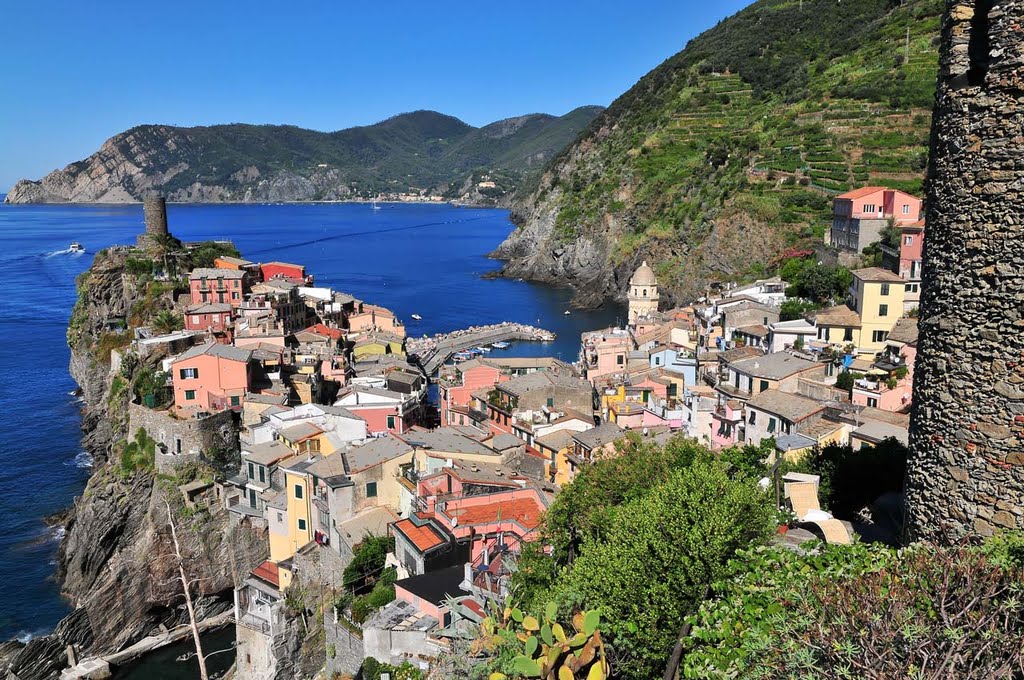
point(643, 293)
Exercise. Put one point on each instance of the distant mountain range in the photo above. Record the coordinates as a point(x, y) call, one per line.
point(419, 152)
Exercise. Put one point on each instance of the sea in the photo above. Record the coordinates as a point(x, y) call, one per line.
point(425, 259)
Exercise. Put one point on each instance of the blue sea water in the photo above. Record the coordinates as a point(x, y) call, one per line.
point(415, 259)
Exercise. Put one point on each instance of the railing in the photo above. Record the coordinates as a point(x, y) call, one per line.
point(253, 622)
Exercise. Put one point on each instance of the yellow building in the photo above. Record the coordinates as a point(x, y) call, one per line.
point(877, 297)
point(875, 305)
point(556, 447)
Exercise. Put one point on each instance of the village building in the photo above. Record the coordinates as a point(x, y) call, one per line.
point(382, 409)
point(212, 318)
point(223, 286)
point(212, 377)
point(859, 216)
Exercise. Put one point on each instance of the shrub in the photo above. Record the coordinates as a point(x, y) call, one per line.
point(660, 554)
point(863, 611)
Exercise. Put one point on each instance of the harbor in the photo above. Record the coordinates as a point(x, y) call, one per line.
point(435, 350)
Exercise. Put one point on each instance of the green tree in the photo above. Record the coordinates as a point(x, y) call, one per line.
point(662, 552)
point(166, 321)
point(367, 563)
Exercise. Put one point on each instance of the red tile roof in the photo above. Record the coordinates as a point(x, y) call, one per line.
point(424, 537)
point(525, 511)
point(861, 193)
point(326, 331)
point(268, 572)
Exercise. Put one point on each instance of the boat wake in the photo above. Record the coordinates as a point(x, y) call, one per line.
point(65, 251)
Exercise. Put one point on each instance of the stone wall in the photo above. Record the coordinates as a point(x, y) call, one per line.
point(190, 436)
point(966, 471)
point(344, 648)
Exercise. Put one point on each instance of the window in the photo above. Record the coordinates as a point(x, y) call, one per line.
point(906, 209)
point(885, 289)
point(190, 395)
point(869, 207)
point(391, 422)
point(234, 296)
point(252, 471)
point(551, 402)
point(771, 424)
point(657, 361)
point(911, 287)
point(189, 373)
point(645, 292)
point(763, 387)
point(280, 518)
point(195, 318)
point(872, 402)
point(235, 401)
point(848, 335)
point(753, 418)
point(879, 336)
point(263, 473)
point(371, 489)
point(822, 334)
point(908, 240)
point(302, 524)
point(298, 491)
point(620, 359)
point(883, 310)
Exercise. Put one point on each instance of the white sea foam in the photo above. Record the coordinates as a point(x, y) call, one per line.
point(24, 636)
point(83, 461)
point(58, 533)
point(66, 251)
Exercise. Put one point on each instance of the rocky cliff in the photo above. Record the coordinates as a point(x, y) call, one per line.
point(116, 563)
point(729, 152)
point(417, 152)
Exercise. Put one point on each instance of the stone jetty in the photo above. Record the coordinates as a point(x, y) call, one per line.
point(436, 349)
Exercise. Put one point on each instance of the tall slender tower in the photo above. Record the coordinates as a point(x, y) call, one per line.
point(966, 470)
point(643, 293)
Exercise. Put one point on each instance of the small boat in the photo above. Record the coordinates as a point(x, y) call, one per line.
point(375, 206)
point(417, 317)
point(500, 345)
point(483, 350)
point(76, 247)
point(567, 312)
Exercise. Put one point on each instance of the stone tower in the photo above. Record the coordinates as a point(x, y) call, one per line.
point(966, 470)
point(155, 210)
point(643, 293)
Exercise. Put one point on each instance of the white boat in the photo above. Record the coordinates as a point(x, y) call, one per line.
point(567, 312)
point(375, 206)
point(500, 345)
point(417, 317)
point(484, 350)
point(76, 247)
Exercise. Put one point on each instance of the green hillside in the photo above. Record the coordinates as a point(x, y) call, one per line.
point(412, 151)
point(759, 121)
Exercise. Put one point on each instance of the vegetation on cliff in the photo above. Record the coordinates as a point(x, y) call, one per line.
point(412, 151)
point(728, 152)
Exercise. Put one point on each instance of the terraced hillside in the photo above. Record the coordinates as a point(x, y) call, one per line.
point(729, 152)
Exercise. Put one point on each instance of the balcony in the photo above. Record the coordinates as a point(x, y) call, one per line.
point(254, 622)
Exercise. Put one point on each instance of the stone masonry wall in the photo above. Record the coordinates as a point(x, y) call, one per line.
point(966, 470)
point(197, 436)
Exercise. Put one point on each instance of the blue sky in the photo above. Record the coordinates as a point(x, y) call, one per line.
point(76, 73)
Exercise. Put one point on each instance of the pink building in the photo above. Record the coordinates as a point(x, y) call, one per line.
point(383, 410)
point(211, 377)
point(859, 216)
point(605, 353)
point(211, 317)
point(373, 317)
point(223, 286)
point(727, 424)
point(911, 250)
point(891, 383)
point(457, 384)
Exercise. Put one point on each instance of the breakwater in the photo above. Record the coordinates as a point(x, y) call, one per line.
point(435, 350)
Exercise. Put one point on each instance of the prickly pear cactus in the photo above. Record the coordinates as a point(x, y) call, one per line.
point(545, 649)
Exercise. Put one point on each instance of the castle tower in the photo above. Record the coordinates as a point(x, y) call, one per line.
point(643, 293)
point(155, 210)
point(966, 469)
